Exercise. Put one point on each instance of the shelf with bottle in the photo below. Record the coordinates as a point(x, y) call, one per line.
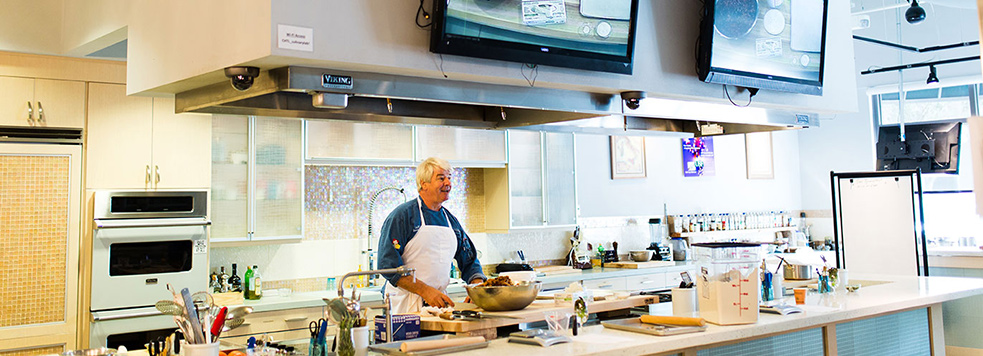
point(682, 225)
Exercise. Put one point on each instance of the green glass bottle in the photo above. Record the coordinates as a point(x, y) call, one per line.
point(248, 290)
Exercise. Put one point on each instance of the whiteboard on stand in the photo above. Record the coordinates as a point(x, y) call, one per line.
point(878, 224)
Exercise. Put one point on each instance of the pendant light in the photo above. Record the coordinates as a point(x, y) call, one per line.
point(933, 77)
point(915, 13)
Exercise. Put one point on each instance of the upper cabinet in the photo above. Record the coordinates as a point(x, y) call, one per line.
point(357, 143)
point(140, 143)
point(33, 102)
point(258, 179)
point(460, 146)
point(538, 189)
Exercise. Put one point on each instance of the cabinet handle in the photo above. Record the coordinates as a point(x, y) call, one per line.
point(40, 113)
point(30, 112)
point(156, 174)
point(296, 318)
point(147, 178)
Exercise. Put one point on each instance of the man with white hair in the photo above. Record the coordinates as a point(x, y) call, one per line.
point(423, 235)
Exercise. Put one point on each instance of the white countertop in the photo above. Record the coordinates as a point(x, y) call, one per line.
point(372, 295)
point(902, 293)
point(955, 251)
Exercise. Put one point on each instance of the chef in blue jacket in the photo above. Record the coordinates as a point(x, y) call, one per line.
point(423, 235)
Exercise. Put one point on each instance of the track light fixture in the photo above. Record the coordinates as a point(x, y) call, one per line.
point(915, 13)
point(932, 75)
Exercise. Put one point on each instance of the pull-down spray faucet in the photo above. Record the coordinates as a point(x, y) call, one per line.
point(369, 251)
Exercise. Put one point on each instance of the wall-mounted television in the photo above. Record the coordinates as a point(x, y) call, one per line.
point(932, 147)
point(596, 35)
point(765, 44)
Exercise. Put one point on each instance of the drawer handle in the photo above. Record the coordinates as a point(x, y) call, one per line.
point(298, 318)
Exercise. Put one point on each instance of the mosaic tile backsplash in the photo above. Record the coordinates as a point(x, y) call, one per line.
point(34, 193)
point(337, 202)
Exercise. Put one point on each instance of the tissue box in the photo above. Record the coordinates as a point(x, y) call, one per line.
point(405, 326)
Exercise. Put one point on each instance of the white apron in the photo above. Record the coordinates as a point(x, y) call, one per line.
point(430, 252)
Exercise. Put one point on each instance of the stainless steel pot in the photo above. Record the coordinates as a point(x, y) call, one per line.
point(799, 271)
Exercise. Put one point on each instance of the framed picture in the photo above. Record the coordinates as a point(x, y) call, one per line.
point(698, 157)
point(760, 162)
point(627, 157)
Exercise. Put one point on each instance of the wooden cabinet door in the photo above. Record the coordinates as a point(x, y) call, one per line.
point(15, 94)
point(118, 138)
point(59, 103)
point(182, 148)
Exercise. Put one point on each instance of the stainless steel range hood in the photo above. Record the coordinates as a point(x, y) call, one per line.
point(316, 93)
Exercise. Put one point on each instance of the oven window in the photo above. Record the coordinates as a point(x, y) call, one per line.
point(135, 258)
point(152, 204)
point(136, 340)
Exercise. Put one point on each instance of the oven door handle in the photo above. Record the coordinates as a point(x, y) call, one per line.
point(112, 224)
point(126, 316)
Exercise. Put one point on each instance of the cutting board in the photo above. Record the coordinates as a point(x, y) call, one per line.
point(554, 270)
point(634, 265)
point(532, 313)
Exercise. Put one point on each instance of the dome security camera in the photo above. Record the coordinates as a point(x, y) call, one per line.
point(242, 77)
point(633, 99)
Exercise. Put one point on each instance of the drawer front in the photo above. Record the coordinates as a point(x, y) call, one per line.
point(276, 321)
point(648, 281)
point(606, 284)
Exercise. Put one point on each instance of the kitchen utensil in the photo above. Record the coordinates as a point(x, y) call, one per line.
point(337, 309)
point(501, 298)
point(799, 272)
point(168, 307)
point(239, 312)
point(192, 316)
point(219, 323)
point(232, 324)
point(641, 255)
point(479, 315)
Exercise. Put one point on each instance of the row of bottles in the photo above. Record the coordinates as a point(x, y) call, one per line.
point(251, 285)
point(731, 221)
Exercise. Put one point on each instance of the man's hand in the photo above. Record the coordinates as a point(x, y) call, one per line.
point(430, 295)
point(435, 298)
point(473, 281)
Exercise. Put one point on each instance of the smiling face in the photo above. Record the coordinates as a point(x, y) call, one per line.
point(438, 189)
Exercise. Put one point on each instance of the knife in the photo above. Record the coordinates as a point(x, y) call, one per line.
point(479, 315)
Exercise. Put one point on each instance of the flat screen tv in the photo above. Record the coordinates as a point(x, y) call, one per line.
point(932, 147)
point(596, 35)
point(764, 44)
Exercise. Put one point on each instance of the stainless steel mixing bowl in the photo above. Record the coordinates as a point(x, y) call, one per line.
point(501, 298)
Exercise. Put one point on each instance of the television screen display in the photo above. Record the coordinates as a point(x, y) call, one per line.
point(766, 44)
point(587, 34)
point(932, 147)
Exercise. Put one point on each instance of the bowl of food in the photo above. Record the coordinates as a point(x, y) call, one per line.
point(501, 294)
point(641, 255)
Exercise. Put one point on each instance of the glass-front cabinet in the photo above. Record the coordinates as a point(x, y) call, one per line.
point(538, 187)
point(257, 179)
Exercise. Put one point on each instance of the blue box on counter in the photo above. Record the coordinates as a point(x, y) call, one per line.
point(405, 326)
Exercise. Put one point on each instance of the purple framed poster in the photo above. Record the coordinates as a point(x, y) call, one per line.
point(698, 157)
